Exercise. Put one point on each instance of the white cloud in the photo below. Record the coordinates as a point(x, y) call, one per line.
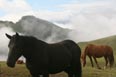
point(14, 9)
point(90, 20)
point(15, 16)
point(4, 42)
point(14, 5)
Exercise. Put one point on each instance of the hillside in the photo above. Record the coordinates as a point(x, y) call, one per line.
point(111, 41)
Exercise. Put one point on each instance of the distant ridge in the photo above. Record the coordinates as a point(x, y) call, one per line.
point(111, 41)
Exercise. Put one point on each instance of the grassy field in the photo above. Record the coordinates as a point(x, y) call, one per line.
point(87, 71)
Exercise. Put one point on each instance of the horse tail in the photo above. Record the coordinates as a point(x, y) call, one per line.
point(111, 59)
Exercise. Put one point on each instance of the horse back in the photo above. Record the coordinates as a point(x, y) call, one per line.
point(98, 50)
point(73, 47)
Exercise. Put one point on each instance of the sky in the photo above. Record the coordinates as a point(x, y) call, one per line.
point(90, 19)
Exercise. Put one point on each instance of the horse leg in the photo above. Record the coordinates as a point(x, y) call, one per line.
point(46, 75)
point(77, 75)
point(34, 74)
point(91, 61)
point(74, 75)
point(68, 71)
point(74, 70)
point(97, 63)
point(77, 70)
point(70, 75)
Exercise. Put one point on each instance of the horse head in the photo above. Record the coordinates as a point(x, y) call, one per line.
point(14, 49)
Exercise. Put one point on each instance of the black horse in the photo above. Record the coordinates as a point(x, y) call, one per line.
point(43, 58)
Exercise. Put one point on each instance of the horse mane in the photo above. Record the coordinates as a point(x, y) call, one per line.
point(30, 39)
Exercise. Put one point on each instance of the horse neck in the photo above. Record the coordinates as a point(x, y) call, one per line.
point(32, 46)
point(32, 42)
point(85, 53)
point(84, 56)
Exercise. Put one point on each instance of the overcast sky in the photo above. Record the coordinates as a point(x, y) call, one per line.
point(91, 19)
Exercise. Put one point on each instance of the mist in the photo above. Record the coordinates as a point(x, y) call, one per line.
point(30, 26)
point(87, 27)
point(90, 21)
point(42, 29)
point(4, 42)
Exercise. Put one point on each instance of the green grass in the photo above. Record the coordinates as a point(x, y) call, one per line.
point(18, 71)
point(87, 71)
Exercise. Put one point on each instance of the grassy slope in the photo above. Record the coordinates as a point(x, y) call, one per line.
point(88, 71)
point(18, 71)
point(111, 41)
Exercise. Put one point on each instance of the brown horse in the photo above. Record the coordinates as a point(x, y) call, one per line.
point(20, 62)
point(98, 51)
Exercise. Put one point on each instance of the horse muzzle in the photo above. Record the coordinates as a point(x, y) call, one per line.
point(10, 64)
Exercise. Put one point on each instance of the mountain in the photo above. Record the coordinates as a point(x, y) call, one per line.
point(42, 29)
point(6, 24)
point(111, 41)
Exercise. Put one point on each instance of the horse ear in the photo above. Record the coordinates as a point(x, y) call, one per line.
point(8, 36)
point(17, 34)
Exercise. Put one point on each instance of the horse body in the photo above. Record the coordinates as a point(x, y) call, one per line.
point(93, 51)
point(98, 51)
point(53, 61)
point(43, 58)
